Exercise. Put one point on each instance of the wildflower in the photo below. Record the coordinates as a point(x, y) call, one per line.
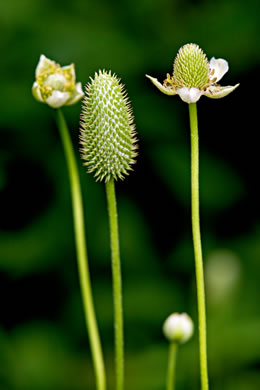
point(178, 328)
point(107, 128)
point(194, 76)
point(56, 85)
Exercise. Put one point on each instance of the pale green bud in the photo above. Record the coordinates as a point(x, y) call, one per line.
point(178, 328)
point(107, 128)
point(56, 85)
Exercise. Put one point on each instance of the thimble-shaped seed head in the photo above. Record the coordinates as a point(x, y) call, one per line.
point(191, 67)
point(107, 129)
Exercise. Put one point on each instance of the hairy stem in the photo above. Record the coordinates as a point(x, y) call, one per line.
point(117, 284)
point(81, 250)
point(197, 244)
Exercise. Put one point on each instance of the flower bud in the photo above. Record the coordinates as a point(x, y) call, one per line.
point(178, 328)
point(56, 85)
point(107, 129)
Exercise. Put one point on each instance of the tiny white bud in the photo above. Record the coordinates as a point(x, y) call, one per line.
point(178, 328)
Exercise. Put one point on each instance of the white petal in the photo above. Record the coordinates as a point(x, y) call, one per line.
point(220, 67)
point(166, 90)
point(219, 92)
point(43, 65)
point(189, 95)
point(36, 92)
point(70, 69)
point(57, 99)
point(78, 94)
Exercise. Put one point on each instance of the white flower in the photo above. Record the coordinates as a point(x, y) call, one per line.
point(56, 85)
point(193, 76)
point(178, 328)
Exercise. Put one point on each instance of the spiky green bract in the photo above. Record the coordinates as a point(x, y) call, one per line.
point(107, 128)
point(191, 67)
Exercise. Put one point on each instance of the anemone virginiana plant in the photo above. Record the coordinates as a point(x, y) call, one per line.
point(56, 86)
point(178, 329)
point(108, 149)
point(193, 76)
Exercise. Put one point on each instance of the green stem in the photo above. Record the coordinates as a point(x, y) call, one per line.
point(84, 276)
point(197, 244)
point(171, 365)
point(117, 284)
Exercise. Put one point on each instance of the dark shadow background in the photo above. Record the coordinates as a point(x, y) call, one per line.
point(43, 343)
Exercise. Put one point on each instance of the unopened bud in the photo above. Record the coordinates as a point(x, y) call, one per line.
point(178, 328)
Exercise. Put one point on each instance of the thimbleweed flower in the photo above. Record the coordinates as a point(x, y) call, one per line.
point(194, 76)
point(178, 328)
point(56, 85)
point(107, 129)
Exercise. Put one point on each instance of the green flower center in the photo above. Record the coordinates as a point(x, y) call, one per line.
point(56, 81)
point(191, 67)
point(55, 78)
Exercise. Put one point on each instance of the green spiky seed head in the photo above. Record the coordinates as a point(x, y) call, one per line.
point(107, 128)
point(191, 67)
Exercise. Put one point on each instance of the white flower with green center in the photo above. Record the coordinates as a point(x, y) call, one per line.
point(194, 76)
point(56, 85)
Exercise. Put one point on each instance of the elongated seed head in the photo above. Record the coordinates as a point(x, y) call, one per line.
point(191, 67)
point(107, 128)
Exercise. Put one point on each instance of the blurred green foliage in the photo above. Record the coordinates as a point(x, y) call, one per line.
point(43, 343)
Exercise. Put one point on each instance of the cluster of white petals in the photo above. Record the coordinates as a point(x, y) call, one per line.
point(56, 85)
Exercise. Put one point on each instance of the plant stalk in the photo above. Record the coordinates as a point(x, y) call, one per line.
point(81, 250)
point(197, 244)
point(117, 284)
point(171, 365)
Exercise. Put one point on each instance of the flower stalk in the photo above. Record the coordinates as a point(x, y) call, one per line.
point(173, 347)
point(117, 283)
point(83, 269)
point(109, 150)
point(194, 76)
point(56, 86)
point(197, 244)
point(178, 329)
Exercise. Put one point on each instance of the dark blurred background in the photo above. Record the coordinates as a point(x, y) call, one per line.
point(43, 343)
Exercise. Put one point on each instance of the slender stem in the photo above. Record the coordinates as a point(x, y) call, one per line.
point(197, 244)
point(117, 284)
point(171, 365)
point(84, 276)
